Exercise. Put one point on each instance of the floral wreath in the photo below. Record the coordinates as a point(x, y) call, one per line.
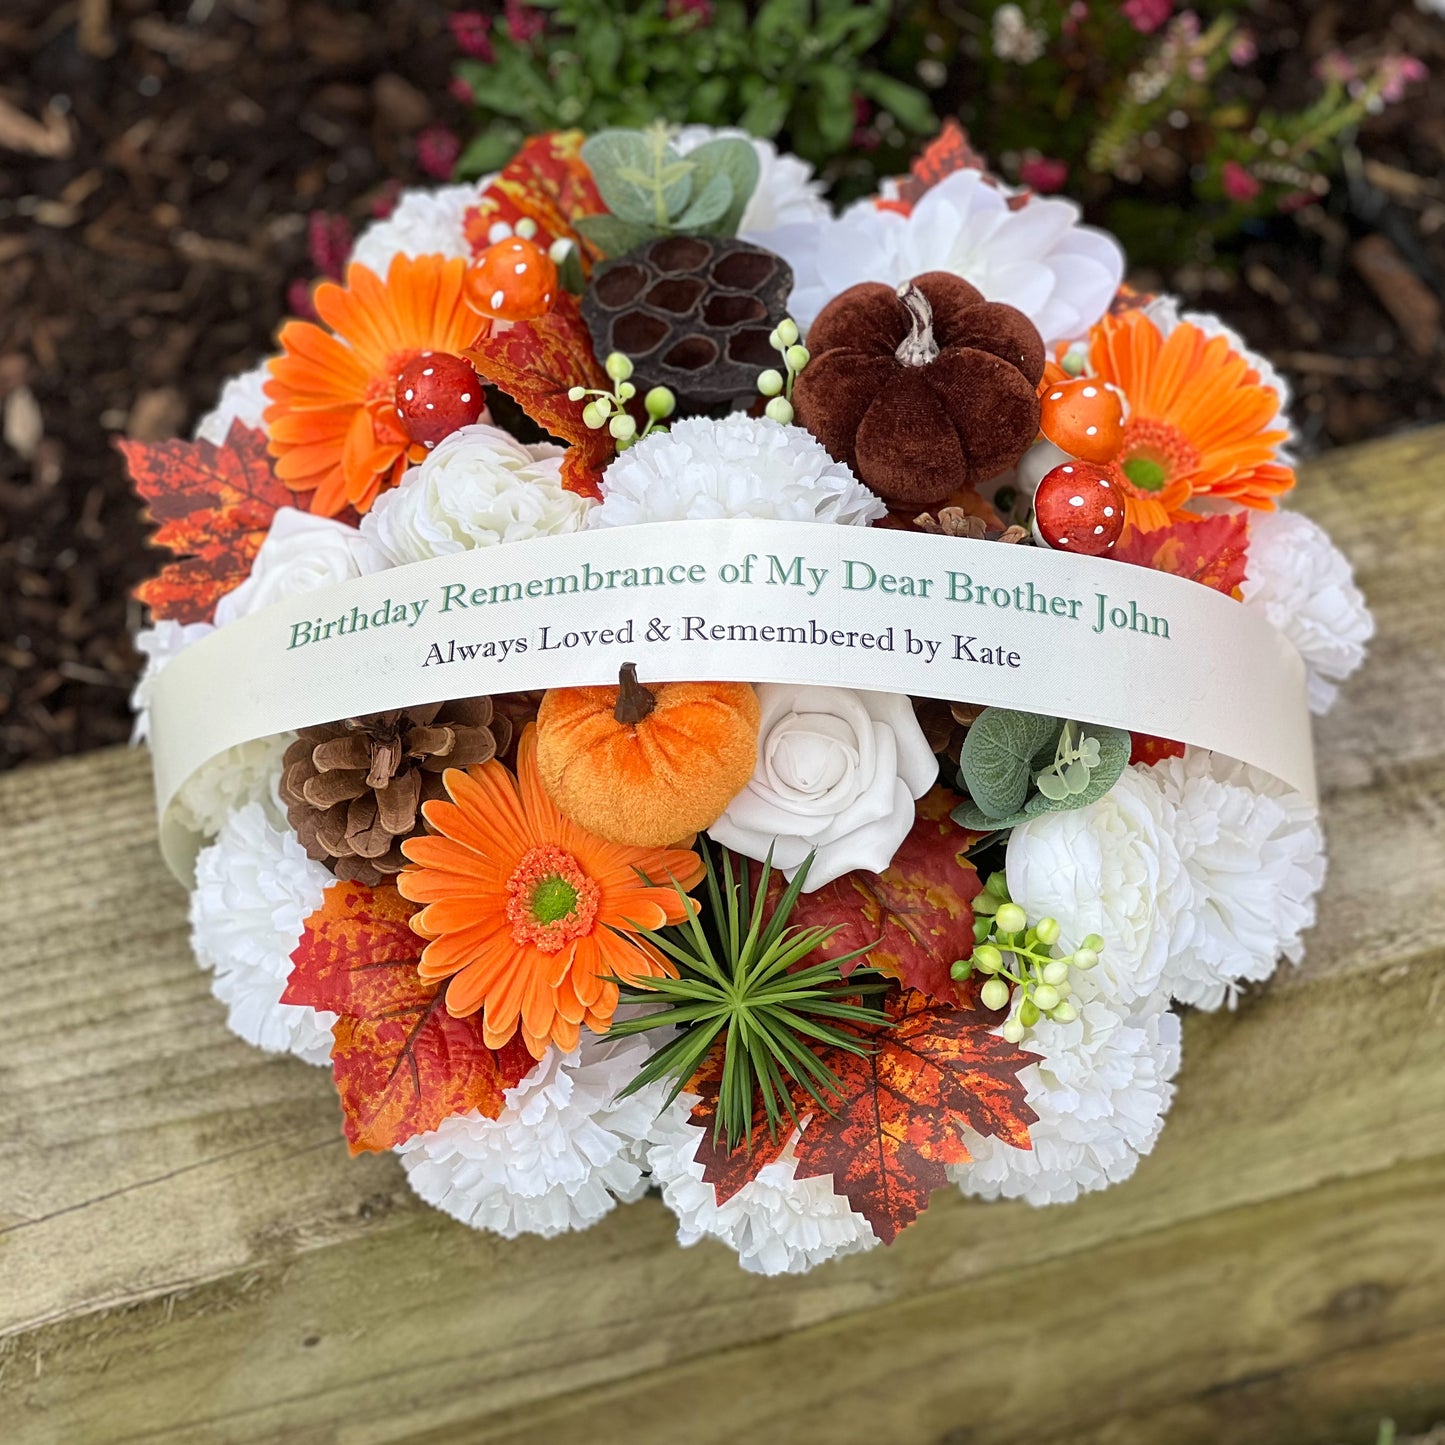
point(795, 955)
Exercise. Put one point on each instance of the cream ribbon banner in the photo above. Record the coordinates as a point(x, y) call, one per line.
point(758, 601)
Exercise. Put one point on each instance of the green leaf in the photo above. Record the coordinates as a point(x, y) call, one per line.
point(1114, 748)
point(489, 151)
point(997, 762)
point(639, 175)
point(707, 207)
point(766, 112)
point(910, 107)
point(735, 158)
point(611, 236)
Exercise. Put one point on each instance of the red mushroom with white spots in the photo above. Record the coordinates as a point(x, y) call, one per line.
point(1078, 509)
point(436, 394)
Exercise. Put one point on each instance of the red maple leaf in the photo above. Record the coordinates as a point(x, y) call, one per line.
point(1211, 550)
point(401, 1062)
point(930, 1071)
point(1146, 748)
point(949, 151)
point(548, 182)
point(214, 506)
point(536, 363)
point(918, 912)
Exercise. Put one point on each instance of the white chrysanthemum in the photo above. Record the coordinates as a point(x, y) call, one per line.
point(255, 888)
point(159, 644)
point(1305, 587)
point(787, 191)
point(242, 399)
point(1113, 869)
point(1255, 856)
point(250, 772)
point(477, 488)
point(776, 1223)
point(559, 1156)
point(1101, 1090)
point(740, 466)
point(1060, 274)
point(1164, 312)
point(428, 221)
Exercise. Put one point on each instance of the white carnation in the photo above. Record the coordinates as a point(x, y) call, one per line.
point(559, 1156)
point(428, 221)
point(740, 466)
point(243, 399)
point(477, 488)
point(1255, 856)
point(787, 191)
point(1060, 274)
point(302, 552)
point(1305, 587)
point(249, 772)
point(776, 1223)
point(1101, 1090)
point(1113, 869)
point(255, 888)
point(159, 644)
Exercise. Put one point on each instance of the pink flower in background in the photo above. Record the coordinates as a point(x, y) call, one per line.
point(1078, 12)
point(470, 29)
point(1242, 49)
point(328, 240)
point(1146, 16)
point(1395, 72)
point(298, 300)
point(1336, 66)
point(1239, 185)
point(437, 149)
point(1044, 174)
point(459, 90)
point(386, 198)
point(524, 23)
point(702, 9)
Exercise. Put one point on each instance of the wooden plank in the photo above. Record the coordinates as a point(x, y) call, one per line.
point(187, 1253)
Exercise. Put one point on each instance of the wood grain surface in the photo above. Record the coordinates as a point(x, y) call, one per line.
point(188, 1254)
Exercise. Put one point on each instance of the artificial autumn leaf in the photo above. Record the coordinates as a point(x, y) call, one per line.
point(401, 1062)
point(930, 1071)
point(536, 363)
point(949, 151)
point(917, 913)
point(214, 505)
point(548, 182)
point(1146, 748)
point(1211, 550)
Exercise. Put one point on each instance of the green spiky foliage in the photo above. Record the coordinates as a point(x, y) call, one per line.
point(744, 985)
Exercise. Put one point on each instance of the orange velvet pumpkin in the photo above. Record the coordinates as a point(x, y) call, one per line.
point(647, 766)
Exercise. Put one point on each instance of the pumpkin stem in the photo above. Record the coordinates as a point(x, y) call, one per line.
point(918, 348)
point(634, 702)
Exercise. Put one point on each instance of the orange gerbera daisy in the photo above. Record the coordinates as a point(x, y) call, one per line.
point(1200, 422)
point(332, 419)
point(528, 914)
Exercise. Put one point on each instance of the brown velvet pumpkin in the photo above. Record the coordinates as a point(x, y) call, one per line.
point(923, 390)
point(647, 766)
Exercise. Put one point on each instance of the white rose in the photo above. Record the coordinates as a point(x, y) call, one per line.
point(837, 772)
point(1112, 869)
point(477, 488)
point(301, 553)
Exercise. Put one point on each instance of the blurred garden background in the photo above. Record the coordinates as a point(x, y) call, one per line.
point(174, 174)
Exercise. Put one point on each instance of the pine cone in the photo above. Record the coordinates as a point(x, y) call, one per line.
point(945, 724)
point(353, 789)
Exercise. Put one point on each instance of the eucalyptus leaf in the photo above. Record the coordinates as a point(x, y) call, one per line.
point(639, 175)
point(735, 158)
point(612, 235)
point(1114, 748)
point(708, 205)
point(998, 759)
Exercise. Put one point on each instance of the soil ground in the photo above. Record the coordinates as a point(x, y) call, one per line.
point(154, 213)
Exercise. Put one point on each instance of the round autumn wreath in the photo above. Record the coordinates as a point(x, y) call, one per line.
point(794, 955)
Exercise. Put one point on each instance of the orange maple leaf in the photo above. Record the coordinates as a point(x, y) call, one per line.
point(214, 506)
point(401, 1062)
point(917, 913)
point(535, 363)
point(548, 182)
point(929, 1071)
point(1211, 550)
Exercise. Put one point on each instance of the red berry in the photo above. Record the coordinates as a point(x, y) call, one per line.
point(1084, 417)
point(1078, 509)
point(436, 393)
